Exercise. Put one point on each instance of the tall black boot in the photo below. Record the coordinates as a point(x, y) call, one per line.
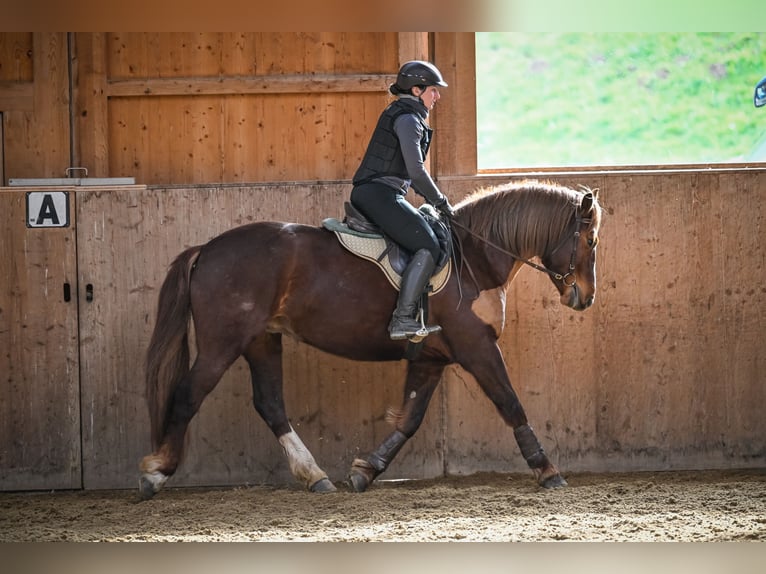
point(414, 280)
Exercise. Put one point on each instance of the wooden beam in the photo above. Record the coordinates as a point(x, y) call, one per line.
point(455, 115)
point(239, 85)
point(90, 122)
point(413, 46)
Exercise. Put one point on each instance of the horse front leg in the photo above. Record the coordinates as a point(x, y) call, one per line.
point(264, 356)
point(490, 372)
point(422, 380)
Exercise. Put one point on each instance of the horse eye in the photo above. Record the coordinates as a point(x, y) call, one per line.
point(592, 241)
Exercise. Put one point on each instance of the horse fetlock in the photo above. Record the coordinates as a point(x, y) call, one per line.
point(385, 453)
point(361, 475)
point(302, 463)
point(549, 477)
point(530, 447)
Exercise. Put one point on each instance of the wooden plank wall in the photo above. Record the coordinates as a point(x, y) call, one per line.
point(34, 101)
point(39, 364)
point(232, 107)
point(126, 240)
point(666, 371)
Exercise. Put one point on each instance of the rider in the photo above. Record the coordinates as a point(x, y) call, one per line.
point(393, 162)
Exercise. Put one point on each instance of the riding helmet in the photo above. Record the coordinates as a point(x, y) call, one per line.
point(419, 73)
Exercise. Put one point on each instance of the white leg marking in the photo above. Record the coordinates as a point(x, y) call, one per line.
point(302, 463)
point(149, 466)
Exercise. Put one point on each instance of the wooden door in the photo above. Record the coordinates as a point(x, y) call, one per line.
point(39, 362)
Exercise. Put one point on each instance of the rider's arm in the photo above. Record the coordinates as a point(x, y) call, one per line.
point(409, 130)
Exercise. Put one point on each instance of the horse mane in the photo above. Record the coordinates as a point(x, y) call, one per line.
point(526, 217)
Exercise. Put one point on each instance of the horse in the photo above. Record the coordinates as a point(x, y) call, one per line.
point(251, 285)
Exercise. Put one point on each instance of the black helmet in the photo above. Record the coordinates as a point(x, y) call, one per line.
point(418, 73)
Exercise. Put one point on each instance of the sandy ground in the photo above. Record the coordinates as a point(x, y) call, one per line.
point(688, 506)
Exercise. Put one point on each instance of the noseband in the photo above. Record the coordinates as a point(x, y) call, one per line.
point(566, 277)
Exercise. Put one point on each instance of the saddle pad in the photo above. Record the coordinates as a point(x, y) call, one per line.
point(372, 247)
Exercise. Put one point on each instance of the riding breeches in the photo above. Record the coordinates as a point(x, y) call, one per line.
point(390, 210)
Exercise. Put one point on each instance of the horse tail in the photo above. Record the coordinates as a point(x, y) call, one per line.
point(167, 358)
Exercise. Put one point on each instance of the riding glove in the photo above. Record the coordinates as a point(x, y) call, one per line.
point(445, 208)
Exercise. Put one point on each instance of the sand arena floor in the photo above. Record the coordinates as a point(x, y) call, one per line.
point(709, 506)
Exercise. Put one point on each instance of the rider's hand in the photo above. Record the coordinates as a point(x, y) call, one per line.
point(445, 209)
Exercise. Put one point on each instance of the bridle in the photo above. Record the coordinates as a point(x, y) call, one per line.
point(566, 277)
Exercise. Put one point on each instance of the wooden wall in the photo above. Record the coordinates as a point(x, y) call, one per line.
point(232, 107)
point(34, 103)
point(39, 363)
point(190, 108)
point(336, 406)
point(664, 372)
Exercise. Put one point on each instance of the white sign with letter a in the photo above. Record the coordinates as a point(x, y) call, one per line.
point(48, 209)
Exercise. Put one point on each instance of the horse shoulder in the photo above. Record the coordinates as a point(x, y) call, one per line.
point(489, 307)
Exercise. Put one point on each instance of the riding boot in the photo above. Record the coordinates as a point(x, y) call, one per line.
point(404, 324)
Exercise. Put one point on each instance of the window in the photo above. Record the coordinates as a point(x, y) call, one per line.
point(618, 99)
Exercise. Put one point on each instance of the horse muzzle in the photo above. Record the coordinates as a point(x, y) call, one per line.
point(573, 298)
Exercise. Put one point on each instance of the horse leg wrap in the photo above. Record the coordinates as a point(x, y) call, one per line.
point(386, 452)
point(530, 447)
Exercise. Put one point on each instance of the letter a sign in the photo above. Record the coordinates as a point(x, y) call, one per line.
point(48, 209)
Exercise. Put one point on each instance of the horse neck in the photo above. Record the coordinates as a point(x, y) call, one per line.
point(488, 267)
point(531, 232)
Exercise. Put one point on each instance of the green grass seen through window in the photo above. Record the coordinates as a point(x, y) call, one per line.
point(608, 99)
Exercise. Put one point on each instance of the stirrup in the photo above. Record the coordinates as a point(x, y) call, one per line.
point(421, 333)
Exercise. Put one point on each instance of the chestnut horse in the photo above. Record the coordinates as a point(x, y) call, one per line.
point(251, 285)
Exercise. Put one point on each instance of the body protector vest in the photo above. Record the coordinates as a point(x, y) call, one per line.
point(384, 155)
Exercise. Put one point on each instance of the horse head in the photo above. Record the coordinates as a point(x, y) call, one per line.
point(572, 261)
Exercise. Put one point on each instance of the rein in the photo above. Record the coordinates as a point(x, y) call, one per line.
point(557, 276)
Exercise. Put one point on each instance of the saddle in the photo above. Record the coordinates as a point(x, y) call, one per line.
point(363, 238)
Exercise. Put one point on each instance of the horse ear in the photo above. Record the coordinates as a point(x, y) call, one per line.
point(587, 203)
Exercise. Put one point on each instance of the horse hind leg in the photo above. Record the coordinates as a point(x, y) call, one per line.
point(185, 402)
point(264, 356)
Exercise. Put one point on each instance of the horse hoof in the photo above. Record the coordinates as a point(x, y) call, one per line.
point(322, 486)
point(146, 488)
point(358, 482)
point(555, 481)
